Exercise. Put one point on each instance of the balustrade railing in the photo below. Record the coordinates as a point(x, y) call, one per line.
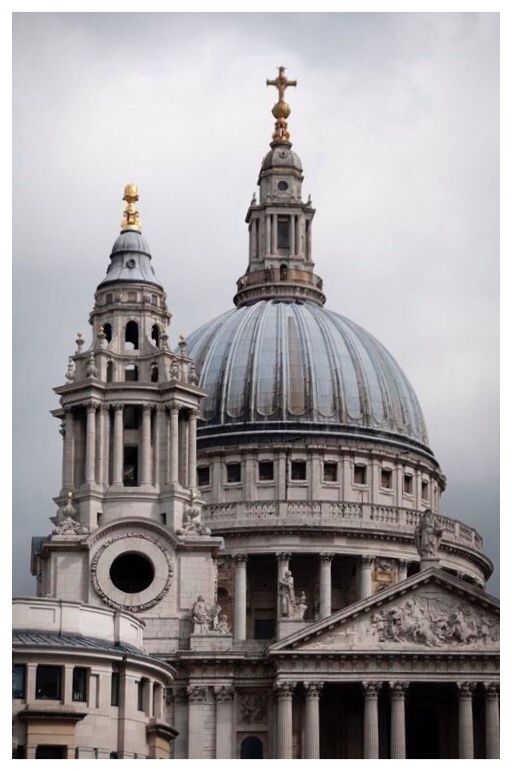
point(330, 513)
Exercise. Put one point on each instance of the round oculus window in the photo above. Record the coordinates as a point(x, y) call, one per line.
point(130, 263)
point(282, 185)
point(132, 572)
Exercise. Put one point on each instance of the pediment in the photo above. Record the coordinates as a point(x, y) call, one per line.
point(430, 611)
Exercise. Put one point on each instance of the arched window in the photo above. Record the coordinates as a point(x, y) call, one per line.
point(251, 748)
point(131, 373)
point(110, 371)
point(155, 335)
point(107, 328)
point(283, 272)
point(154, 373)
point(131, 336)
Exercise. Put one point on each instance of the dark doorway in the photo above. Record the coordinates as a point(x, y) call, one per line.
point(51, 752)
point(251, 748)
point(341, 721)
point(432, 725)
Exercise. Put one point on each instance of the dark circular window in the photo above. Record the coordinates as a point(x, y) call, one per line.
point(132, 572)
point(130, 263)
point(282, 185)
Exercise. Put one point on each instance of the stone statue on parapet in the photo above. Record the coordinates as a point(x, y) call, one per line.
point(192, 524)
point(290, 606)
point(65, 523)
point(207, 620)
point(428, 536)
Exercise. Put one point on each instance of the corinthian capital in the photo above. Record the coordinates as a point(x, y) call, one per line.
point(313, 688)
point(284, 690)
point(197, 694)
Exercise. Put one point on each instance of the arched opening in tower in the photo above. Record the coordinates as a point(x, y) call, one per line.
point(131, 336)
point(155, 335)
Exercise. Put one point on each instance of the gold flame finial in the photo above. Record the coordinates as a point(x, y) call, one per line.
point(281, 110)
point(131, 217)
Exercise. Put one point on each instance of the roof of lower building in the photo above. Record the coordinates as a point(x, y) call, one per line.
point(31, 638)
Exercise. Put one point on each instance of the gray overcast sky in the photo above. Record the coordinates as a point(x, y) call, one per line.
point(396, 120)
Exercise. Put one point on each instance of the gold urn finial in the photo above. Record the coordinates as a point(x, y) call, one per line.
point(281, 110)
point(131, 217)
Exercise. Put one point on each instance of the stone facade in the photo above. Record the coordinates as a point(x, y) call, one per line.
point(265, 533)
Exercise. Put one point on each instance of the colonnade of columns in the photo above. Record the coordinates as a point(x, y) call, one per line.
point(271, 235)
point(168, 450)
point(311, 730)
point(324, 584)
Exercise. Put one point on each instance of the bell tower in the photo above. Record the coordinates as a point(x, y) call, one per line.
point(130, 406)
point(280, 222)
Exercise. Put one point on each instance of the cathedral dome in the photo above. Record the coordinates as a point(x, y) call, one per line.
point(274, 364)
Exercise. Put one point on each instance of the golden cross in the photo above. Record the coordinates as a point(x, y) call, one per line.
point(281, 83)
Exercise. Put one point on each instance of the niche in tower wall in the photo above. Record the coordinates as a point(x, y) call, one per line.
point(225, 590)
point(130, 465)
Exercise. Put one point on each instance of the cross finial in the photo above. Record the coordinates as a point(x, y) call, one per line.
point(281, 110)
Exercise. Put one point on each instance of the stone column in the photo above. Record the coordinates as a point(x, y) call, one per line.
point(366, 568)
point(192, 449)
point(274, 234)
point(223, 721)
point(398, 690)
point(402, 570)
point(197, 697)
point(157, 450)
point(311, 749)
point(240, 630)
point(174, 443)
point(284, 692)
point(292, 235)
point(492, 720)
point(371, 719)
point(268, 243)
point(69, 451)
point(308, 243)
point(145, 476)
point(118, 445)
point(325, 585)
point(466, 741)
point(102, 434)
point(90, 444)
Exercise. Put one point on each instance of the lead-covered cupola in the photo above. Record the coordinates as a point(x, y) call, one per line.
point(280, 254)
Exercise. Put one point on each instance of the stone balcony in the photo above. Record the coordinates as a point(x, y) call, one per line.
point(332, 514)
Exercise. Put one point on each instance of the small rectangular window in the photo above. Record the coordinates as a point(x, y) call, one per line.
point(203, 476)
point(154, 299)
point(386, 478)
point(266, 470)
point(130, 416)
point(114, 689)
point(408, 484)
point(79, 684)
point(48, 682)
point(163, 518)
point(330, 471)
point(424, 490)
point(234, 472)
point(283, 232)
point(298, 470)
point(359, 474)
point(109, 299)
point(19, 678)
point(132, 297)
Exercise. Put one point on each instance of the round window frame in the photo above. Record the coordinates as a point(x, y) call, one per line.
point(140, 544)
point(282, 185)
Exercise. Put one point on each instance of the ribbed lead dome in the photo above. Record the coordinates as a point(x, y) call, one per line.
point(278, 362)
